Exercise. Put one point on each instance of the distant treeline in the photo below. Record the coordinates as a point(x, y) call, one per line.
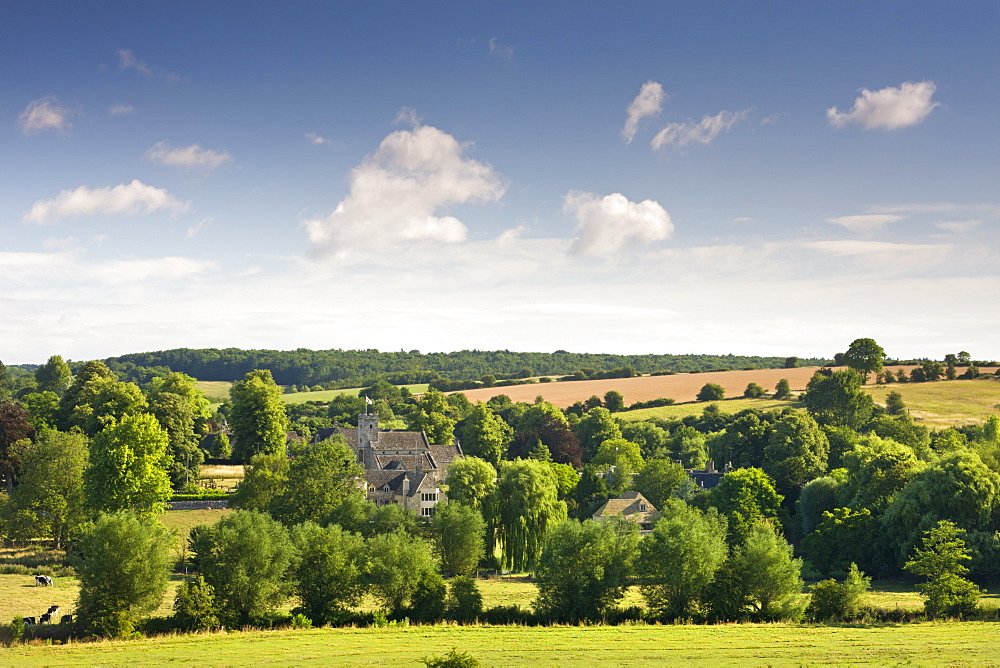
point(355, 368)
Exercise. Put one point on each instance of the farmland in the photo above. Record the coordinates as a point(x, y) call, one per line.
point(971, 643)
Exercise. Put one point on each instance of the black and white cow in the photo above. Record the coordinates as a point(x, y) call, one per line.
point(45, 619)
point(29, 620)
point(53, 609)
point(43, 580)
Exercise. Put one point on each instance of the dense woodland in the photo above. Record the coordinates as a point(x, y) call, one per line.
point(332, 369)
point(840, 487)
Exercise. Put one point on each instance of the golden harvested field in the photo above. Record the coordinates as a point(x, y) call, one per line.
point(680, 387)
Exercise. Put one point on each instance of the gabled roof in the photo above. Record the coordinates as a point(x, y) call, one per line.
point(630, 506)
point(419, 482)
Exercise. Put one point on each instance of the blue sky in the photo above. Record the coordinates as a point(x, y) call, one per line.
point(631, 177)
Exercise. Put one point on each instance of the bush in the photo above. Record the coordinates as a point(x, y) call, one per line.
point(453, 659)
point(465, 602)
point(195, 608)
point(507, 614)
point(753, 391)
point(832, 600)
point(711, 392)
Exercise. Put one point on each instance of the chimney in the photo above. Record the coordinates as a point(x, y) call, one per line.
point(406, 485)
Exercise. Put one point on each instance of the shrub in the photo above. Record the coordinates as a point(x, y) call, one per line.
point(832, 600)
point(465, 602)
point(453, 659)
point(711, 392)
point(195, 608)
point(753, 391)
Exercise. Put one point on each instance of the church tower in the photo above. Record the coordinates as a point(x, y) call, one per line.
point(367, 439)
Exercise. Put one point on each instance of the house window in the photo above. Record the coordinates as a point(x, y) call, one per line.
point(386, 488)
point(428, 496)
point(642, 507)
point(427, 512)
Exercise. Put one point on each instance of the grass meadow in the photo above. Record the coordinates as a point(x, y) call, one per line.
point(969, 643)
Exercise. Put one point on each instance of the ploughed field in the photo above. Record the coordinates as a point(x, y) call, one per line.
point(968, 643)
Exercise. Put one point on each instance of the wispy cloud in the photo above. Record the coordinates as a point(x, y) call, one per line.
point(865, 223)
point(647, 103)
point(121, 110)
point(501, 51)
point(607, 225)
point(128, 61)
point(44, 114)
point(702, 132)
point(398, 192)
point(124, 199)
point(187, 157)
point(316, 139)
point(959, 226)
point(888, 108)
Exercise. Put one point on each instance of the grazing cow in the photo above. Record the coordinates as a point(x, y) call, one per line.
point(45, 619)
point(29, 620)
point(66, 619)
point(43, 580)
point(53, 609)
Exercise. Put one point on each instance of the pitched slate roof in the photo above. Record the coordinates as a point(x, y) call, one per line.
point(419, 482)
point(629, 505)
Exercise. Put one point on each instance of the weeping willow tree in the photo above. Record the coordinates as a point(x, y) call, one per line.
point(527, 504)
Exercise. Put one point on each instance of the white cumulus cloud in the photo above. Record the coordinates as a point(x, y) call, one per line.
point(121, 110)
point(124, 199)
point(607, 225)
point(702, 132)
point(648, 102)
point(187, 157)
point(44, 114)
point(888, 108)
point(317, 139)
point(865, 223)
point(398, 192)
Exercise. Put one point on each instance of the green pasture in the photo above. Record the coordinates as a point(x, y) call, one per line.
point(937, 404)
point(678, 411)
point(216, 391)
point(327, 395)
point(944, 403)
point(969, 643)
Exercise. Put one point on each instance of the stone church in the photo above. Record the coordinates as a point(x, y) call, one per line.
point(400, 466)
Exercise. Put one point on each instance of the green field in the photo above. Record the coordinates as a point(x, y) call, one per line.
point(946, 402)
point(678, 411)
point(216, 391)
point(327, 395)
point(970, 643)
point(937, 405)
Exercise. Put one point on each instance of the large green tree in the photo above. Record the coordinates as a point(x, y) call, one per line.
point(54, 375)
point(471, 481)
point(48, 499)
point(485, 435)
point(327, 571)
point(796, 452)
point(123, 569)
point(761, 581)
point(182, 409)
point(432, 417)
point(459, 533)
point(527, 505)
point(679, 560)
point(583, 569)
point(865, 356)
point(103, 400)
point(941, 559)
point(661, 479)
point(594, 428)
point(746, 497)
point(258, 418)
point(399, 567)
point(836, 398)
point(319, 478)
point(246, 557)
point(128, 468)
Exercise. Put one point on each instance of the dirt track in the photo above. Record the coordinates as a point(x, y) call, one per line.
point(680, 387)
